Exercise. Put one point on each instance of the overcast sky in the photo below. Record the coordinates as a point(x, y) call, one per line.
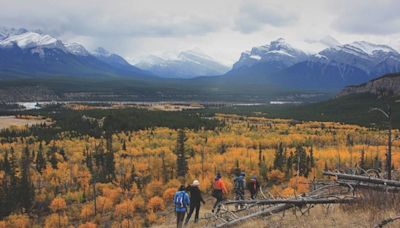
point(219, 28)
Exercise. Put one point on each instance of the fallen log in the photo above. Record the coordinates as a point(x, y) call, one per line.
point(375, 187)
point(387, 221)
point(366, 179)
point(297, 202)
point(264, 212)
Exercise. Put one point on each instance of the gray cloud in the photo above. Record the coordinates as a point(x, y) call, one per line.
point(221, 28)
point(367, 16)
point(108, 18)
point(254, 15)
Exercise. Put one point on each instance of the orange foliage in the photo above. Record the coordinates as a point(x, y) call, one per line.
point(156, 204)
point(88, 225)
point(276, 176)
point(168, 194)
point(58, 204)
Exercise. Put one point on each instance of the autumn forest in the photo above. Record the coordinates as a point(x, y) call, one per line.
point(121, 168)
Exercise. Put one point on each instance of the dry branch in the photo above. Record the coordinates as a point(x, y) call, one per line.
point(366, 179)
point(297, 202)
point(387, 221)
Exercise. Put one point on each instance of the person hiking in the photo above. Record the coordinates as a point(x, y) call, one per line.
point(253, 186)
point(239, 185)
point(181, 201)
point(195, 199)
point(219, 190)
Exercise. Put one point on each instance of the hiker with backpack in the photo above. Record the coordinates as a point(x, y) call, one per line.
point(219, 190)
point(253, 186)
point(239, 185)
point(195, 199)
point(181, 201)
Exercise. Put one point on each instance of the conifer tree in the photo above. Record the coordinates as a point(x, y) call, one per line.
point(181, 162)
point(279, 159)
point(26, 188)
point(40, 160)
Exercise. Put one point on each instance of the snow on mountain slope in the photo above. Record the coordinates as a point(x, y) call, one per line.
point(186, 64)
point(76, 49)
point(277, 51)
point(101, 52)
point(361, 54)
point(6, 32)
point(371, 48)
point(32, 40)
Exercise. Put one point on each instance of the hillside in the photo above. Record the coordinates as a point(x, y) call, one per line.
point(387, 85)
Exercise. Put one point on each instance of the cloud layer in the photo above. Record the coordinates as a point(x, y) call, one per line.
point(221, 28)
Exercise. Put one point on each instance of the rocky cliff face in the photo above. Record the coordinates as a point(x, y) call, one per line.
point(387, 85)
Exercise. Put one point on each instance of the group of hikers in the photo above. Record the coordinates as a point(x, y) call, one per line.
point(182, 199)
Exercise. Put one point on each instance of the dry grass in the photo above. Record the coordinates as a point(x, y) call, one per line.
point(10, 121)
point(368, 213)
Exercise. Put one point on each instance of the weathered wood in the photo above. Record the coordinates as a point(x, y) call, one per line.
point(387, 221)
point(299, 201)
point(366, 179)
point(374, 187)
point(264, 212)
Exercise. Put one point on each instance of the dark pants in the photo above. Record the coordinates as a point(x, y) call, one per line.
point(196, 216)
point(220, 197)
point(239, 196)
point(253, 194)
point(179, 218)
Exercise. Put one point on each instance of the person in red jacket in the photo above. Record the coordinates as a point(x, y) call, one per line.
point(253, 186)
point(219, 190)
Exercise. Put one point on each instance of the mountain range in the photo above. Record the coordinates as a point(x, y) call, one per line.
point(33, 54)
point(332, 68)
point(186, 64)
point(27, 54)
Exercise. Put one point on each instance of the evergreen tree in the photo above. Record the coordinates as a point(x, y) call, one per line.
point(40, 160)
point(362, 160)
point(26, 188)
point(124, 145)
point(301, 161)
point(289, 165)
point(181, 162)
point(312, 159)
point(109, 159)
point(279, 159)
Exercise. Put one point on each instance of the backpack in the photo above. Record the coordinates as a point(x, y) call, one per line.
point(239, 183)
point(180, 200)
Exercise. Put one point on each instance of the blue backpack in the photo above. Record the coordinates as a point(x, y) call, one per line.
point(180, 200)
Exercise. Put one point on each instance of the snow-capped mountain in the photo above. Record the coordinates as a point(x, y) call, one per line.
point(361, 54)
point(186, 64)
point(76, 49)
point(332, 68)
point(30, 53)
point(278, 51)
point(6, 32)
point(113, 60)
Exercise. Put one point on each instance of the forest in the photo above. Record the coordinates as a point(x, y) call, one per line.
point(121, 168)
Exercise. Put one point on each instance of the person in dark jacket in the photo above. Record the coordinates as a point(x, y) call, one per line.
point(195, 200)
point(253, 186)
point(181, 201)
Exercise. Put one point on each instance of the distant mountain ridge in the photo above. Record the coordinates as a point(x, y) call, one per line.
point(26, 53)
point(387, 85)
point(332, 68)
point(186, 64)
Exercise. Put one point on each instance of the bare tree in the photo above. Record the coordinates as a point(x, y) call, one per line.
point(388, 115)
